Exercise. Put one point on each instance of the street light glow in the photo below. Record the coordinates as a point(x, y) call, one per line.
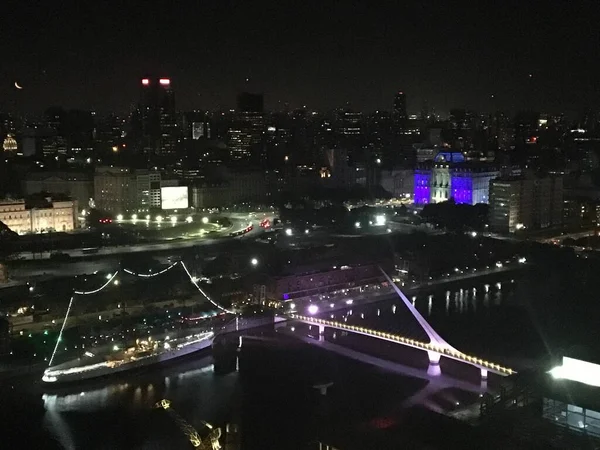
point(254, 261)
point(288, 231)
point(120, 217)
point(205, 220)
point(189, 219)
point(134, 217)
point(313, 309)
point(159, 219)
point(173, 219)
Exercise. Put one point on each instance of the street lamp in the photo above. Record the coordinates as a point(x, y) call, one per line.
point(205, 220)
point(120, 217)
point(189, 219)
point(173, 219)
point(159, 219)
point(288, 231)
point(254, 262)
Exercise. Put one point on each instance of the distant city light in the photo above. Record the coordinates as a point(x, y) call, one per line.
point(522, 260)
point(292, 306)
point(164, 81)
point(159, 219)
point(145, 81)
point(254, 262)
point(380, 220)
point(108, 276)
point(205, 220)
point(173, 219)
point(147, 216)
point(313, 309)
point(474, 233)
point(189, 219)
point(378, 160)
point(357, 225)
point(120, 217)
point(288, 231)
point(134, 217)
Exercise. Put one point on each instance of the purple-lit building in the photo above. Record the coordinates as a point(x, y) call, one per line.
point(451, 176)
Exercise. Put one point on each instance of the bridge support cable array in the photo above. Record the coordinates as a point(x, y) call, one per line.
point(434, 337)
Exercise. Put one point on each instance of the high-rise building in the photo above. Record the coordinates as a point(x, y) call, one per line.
point(155, 121)
point(525, 203)
point(245, 135)
point(399, 110)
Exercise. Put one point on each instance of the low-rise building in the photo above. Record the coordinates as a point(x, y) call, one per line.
point(319, 282)
point(42, 215)
point(450, 176)
point(238, 188)
point(76, 185)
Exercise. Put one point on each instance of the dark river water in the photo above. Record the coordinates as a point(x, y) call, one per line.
point(267, 389)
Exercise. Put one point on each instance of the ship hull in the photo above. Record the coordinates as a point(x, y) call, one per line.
point(57, 375)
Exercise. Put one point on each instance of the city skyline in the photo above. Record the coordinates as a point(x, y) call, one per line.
point(490, 58)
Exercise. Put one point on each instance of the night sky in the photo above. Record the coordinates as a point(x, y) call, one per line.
point(321, 54)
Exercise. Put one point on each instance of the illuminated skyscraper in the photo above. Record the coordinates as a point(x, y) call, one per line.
point(399, 110)
point(245, 136)
point(155, 122)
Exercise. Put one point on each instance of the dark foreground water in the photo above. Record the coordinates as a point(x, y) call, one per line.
point(268, 391)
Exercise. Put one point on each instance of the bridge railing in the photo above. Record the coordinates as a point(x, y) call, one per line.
point(408, 341)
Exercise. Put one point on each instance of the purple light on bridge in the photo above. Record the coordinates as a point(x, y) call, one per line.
point(313, 309)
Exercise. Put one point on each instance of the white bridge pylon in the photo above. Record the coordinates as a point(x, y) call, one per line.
point(434, 337)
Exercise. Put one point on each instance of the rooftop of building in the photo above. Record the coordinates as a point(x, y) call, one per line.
point(62, 174)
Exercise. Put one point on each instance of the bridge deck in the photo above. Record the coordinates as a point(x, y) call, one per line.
point(447, 352)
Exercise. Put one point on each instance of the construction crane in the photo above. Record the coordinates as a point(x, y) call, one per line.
point(209, 442)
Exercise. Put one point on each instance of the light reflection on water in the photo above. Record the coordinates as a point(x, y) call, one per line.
point(195, 391)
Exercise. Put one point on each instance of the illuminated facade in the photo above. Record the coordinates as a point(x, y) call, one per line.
point(10, 144)
point(245, 136)
point(156, 119)
point(525, 203)
point(51, 216)
point(570, 397)
point(450, 176)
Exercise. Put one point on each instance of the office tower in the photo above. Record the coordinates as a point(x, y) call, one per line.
point(245, 134)
point(399, 110)
point(525, 203)
point(155, 120)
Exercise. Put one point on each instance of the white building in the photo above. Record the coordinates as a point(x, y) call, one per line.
point(48, 216)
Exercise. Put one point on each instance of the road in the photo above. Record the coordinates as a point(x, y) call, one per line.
point(239, 223)
point(108, 258)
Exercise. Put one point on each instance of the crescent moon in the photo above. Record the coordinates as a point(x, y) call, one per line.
point(17, 85)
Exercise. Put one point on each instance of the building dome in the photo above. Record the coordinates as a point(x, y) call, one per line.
point(9, 144)
point(450, 157)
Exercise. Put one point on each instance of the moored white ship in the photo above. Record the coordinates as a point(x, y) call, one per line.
point(144, 353)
